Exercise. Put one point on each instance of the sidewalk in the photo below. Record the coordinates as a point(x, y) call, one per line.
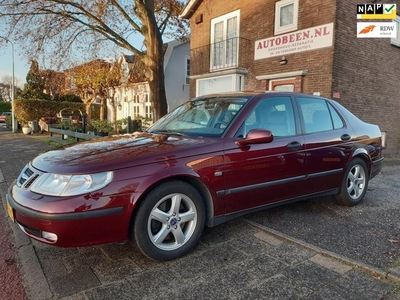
point(241, 259)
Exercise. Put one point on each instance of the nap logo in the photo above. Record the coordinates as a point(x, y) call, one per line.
point(376, 11)
point(376, 30)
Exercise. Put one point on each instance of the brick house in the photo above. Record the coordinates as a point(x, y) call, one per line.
point(308, 46)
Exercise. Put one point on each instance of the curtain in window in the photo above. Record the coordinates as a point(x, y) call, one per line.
point(225, 43)
point(286, 15)
point(218, 44)
point(231, 42)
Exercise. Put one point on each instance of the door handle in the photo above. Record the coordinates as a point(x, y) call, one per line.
point(345, 137)
point(294, 145)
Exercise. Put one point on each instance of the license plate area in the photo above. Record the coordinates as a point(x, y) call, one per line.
point(10, 212)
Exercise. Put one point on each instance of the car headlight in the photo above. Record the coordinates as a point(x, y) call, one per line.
point(70, 185)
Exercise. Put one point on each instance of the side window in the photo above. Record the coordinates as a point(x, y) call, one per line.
point(337, 121)
point(187, 69)
point(274, 114)
point(318, 115)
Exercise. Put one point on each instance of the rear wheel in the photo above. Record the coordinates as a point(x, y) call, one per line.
point(354, 183)
point(169, 221)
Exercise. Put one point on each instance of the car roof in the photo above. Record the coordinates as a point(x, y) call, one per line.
point(256, 93)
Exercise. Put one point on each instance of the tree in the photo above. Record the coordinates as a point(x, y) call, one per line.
point(34, 86)
point(54, 84)
point(64, 26)
point(5, 92)
point(94, 80)
point(5, 88)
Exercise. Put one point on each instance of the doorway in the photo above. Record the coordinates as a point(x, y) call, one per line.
point(283, 85)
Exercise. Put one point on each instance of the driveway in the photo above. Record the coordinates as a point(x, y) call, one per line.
point(310, 250)
point(368, 233)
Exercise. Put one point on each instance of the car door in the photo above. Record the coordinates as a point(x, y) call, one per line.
point(327, 141)
point(263, 173)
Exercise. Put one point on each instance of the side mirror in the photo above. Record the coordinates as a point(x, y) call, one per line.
point(256, 136)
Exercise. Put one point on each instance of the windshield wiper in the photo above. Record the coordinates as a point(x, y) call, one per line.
point(169, 132)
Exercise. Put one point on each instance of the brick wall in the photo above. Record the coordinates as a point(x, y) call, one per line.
point(200, 32)
point(257, 22)
point(366, 73)
point(317, 62)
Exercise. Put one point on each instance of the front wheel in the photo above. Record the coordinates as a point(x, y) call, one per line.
point(169, 221)
point(354, 183)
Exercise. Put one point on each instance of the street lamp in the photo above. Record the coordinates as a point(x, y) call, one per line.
point(13, 123)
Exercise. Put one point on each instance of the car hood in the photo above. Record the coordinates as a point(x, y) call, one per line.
point(117, 152)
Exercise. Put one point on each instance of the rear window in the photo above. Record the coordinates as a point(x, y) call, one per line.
point(318, 115)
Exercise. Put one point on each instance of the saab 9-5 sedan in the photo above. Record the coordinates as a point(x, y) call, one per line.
point(212, 159)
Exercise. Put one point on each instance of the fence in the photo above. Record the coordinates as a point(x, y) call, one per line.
point(63, 136)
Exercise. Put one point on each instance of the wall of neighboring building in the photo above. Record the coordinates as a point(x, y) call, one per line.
point(367, 75)
point(177, 90)
point(317, 64)
point(132, 100)
point(200, 23)
point(257, 19)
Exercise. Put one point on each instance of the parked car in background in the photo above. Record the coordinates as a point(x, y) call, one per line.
point(4, 115)
point(212, 159)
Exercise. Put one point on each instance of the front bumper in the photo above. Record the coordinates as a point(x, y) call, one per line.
point(70, 229)
point(63, 216)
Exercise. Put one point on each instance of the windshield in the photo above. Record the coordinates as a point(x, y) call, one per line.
point(201, 117)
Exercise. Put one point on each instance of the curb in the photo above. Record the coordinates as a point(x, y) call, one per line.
point(364, 267)
point(35, 281)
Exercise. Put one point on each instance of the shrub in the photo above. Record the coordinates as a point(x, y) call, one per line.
point(5, 106)
point(31, 110)
point(102, 126)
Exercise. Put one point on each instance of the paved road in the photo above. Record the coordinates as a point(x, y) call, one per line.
point(310, 250)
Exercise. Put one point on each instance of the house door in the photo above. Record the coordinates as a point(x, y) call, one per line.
point(286, 85)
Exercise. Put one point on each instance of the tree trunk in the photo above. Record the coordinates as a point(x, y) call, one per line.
point(89, 105)
point(158, 97)
point(154, 58)
point(103, 108)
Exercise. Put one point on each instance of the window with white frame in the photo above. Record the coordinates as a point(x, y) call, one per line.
point(136, 105)
point(147, 105)
point(396, 41)
point(286, 16)
point(187, 69)
point(219, 84)
point(224, 41)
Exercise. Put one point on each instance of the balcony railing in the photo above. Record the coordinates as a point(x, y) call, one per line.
point(227, 54)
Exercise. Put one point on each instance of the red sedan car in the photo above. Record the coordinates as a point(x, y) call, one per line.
point(4, 115)
point(212, 159)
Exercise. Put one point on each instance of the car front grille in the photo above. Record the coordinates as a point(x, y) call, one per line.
point(27, 177)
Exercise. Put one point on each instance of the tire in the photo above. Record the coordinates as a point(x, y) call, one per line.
point(164, 233)
point(354, 183)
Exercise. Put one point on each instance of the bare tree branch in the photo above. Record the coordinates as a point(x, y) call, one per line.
point(62, 31)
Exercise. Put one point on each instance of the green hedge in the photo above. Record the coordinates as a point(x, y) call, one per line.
point(5, 106)
point(31, 110)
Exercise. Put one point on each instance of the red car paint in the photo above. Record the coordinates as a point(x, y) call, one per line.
point(236, 171)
